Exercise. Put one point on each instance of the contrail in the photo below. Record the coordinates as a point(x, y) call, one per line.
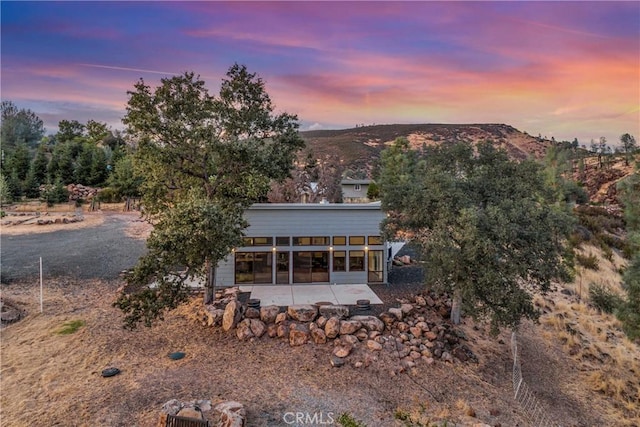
point(110, 67)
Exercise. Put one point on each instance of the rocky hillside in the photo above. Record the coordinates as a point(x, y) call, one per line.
point(601, 182)
point(360, 147)
point(359, 150)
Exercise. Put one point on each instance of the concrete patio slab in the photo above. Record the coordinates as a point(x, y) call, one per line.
point(284, 295)
point(273, 295)
point(352, 293)
point(311, 294)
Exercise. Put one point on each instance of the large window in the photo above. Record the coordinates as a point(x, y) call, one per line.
point(253, 267)
point(311, 241)
point(283, 241)
point(356, 240)
point(257, 241)
point(339, 240)
point(376, 266)
point(339, 261)
point(310, 267)
point(356, 260)
point(282, 268)
point(375, 240)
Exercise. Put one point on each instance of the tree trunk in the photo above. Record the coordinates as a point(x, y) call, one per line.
point(210, 283)
point(456, 307)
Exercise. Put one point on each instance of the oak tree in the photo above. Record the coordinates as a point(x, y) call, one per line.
point(205, 159)
point(488, 228)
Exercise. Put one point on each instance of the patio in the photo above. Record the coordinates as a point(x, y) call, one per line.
point(285, 295)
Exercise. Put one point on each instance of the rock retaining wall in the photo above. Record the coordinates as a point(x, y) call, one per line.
point(414, 332)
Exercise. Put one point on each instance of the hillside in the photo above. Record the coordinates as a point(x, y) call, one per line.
point(360, 147)
point(359, 150)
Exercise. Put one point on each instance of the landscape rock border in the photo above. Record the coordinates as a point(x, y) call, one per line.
point(416, 331)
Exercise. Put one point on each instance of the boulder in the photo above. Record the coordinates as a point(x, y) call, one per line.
point(348, 327)
point(349, 339)
point(406, 308)
point(252, 313)
point(332, 327)
point(303, 312)
point(268, 313)
point(362, 334)
point(191, 413)
point(230, 414)
point(430, 335)
point(372, 323)
point(272, 330)
point(415, 331)
point(243, 329)
point(336, 361)
point(342, 350)
point(172, 407)
point(281, 317)
point(214, 315)
point(282, 330)
point(396, 312)
point(231, 316)
point(318, 336)
point(321, 321)
point(374, 346)
point(258, 327)
point(298, 334)
point(423, 326)
point(339, 311)
point(388, 318)
point(421, 301)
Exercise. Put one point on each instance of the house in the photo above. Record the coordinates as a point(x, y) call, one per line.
point(303, 243)
point(355, 190)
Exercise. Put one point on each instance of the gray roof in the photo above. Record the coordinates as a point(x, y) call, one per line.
point(316, 206)
point(355, 181)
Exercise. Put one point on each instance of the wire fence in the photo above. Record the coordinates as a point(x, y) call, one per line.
point(534, 412)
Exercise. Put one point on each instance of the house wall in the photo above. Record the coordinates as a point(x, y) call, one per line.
point(301, 220)
point(349, 193)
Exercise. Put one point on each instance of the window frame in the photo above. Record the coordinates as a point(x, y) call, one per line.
point(343, 262)
point(353, 256)
point(353, 242)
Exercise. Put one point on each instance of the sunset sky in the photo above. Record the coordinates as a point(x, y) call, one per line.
point(562, 69)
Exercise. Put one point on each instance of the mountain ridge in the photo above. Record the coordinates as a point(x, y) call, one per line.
point(360, 147)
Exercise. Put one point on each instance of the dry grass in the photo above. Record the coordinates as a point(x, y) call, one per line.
point(607, 275)
point(48, 378)
point(609, 363)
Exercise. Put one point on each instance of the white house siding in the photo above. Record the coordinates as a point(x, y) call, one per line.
point(349, 192)
point(309, 220)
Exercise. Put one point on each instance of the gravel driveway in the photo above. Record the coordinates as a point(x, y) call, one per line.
point(100, 252)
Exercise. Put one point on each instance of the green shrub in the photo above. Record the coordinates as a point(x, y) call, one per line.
point(603, 299)
point(54, 194)
point(598, 219)
point(611, 240)
point(346, 420)
point(589, 262)
point(70, 327)
point(108, 195)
